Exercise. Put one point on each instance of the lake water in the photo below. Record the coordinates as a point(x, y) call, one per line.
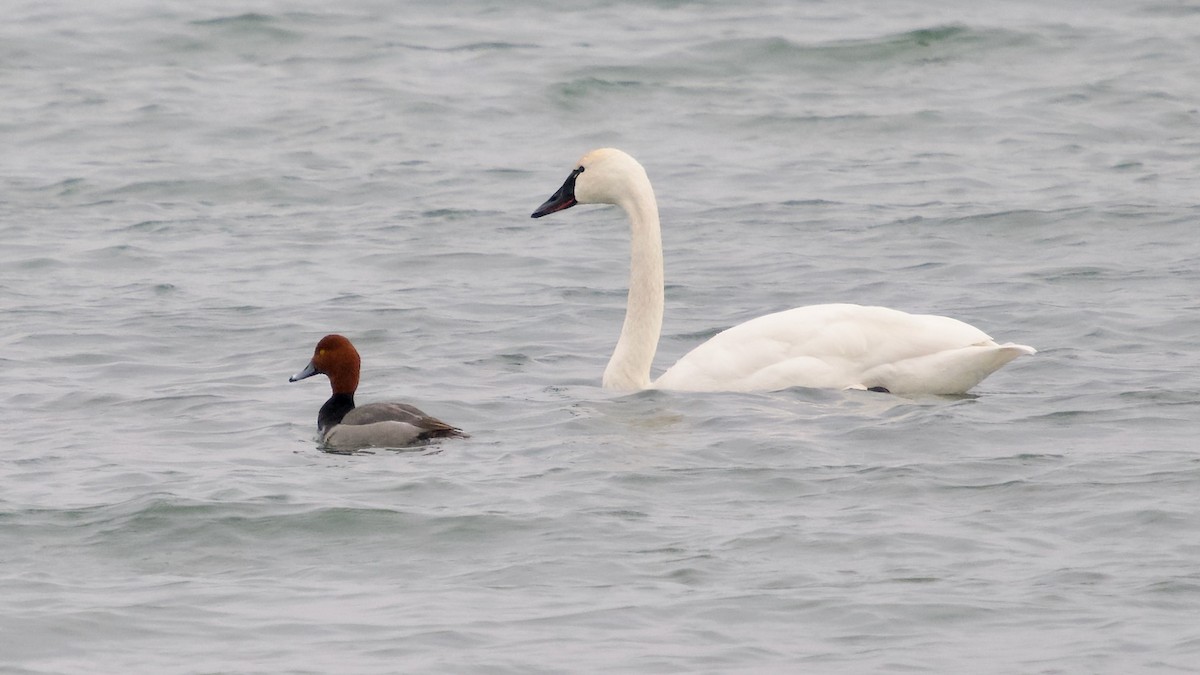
point(192, 194)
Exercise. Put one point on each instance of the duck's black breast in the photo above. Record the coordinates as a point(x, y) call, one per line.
point(334, 411)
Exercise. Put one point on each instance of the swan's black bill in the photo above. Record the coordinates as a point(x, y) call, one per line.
point(563, 199)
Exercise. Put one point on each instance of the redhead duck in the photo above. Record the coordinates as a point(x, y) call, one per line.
point(346, 427)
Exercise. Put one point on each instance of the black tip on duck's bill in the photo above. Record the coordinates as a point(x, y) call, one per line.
point(308, 371)
point(563, 199)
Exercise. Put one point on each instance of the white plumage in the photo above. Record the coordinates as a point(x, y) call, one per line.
point(834, 346)
point(842, 347)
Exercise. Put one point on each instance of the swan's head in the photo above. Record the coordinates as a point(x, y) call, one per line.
point(604, 176)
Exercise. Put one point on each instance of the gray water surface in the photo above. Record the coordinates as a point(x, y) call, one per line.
point(191, 195)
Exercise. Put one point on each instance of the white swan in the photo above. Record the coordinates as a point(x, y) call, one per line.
point(837, 346)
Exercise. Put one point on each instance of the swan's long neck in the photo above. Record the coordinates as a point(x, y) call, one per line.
point(629, 367)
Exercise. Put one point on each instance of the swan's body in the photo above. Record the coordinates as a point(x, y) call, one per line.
point(837, 346)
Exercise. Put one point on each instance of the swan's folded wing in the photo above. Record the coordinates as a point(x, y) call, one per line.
point(824, 346)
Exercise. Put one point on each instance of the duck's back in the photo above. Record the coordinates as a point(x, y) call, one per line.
point(387, 425)
point(841, 346)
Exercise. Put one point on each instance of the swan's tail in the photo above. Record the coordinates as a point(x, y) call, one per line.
point(1021, 350)
point(953, 371)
